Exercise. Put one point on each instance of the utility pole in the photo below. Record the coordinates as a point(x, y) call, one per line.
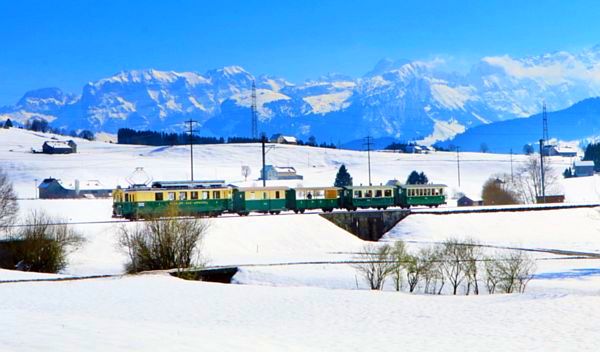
point(368, 143)
point(254, 112)
point(542, 170)
point(191, 132)
point(263, 140)
point(458, 164)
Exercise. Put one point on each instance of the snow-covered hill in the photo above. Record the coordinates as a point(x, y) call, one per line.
point(402, 100)
point(312, 307)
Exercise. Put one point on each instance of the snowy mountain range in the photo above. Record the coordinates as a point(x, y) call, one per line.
point(396, 100)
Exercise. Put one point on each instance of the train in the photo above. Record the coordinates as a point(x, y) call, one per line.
point(211, 199)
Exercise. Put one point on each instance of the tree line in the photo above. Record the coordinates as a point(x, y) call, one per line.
point(41, 125)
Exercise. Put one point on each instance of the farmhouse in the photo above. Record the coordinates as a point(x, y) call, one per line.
point(281, 173)
point(560, 150)
point(52, 188)
point(465, 201)
point(59, 147)
point(582, 168)
point(281, 139)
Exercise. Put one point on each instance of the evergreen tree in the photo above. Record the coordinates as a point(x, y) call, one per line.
point(8, 124)
point(592, 152)
point(415, 178)
point(343, 177)
point(568, 173)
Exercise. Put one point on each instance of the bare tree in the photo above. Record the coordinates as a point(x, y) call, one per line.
point(399, 256)
point(492, 274)
point(246, 171)
point(509, 271)
point(471, 258)
point(451, 263)
point(374, 265)
point(163, 243)
point(429, 258)
point(529, 179)
point(8, 201)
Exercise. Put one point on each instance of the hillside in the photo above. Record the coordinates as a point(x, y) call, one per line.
point(576, 123)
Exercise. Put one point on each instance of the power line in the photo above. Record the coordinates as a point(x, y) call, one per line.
point(369, 143)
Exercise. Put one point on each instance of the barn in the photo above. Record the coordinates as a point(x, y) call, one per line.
point(281, 173)
point(52, 188)
point(59, 147)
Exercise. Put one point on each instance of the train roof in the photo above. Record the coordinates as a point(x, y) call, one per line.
point(370, 187)
point(268, 188)
point(429, 185)
point(316, 188)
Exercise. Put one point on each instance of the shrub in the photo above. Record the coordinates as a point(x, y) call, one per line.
point(160, 244)
point(374, 265)
point(45, 243)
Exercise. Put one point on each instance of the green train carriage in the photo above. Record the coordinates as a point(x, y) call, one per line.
point(300, 199)
point(191, 198)
point(431, 195)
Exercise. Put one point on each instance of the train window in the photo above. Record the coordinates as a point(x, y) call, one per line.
point(216, 195)
point(252, 195)
point(205, 194)
point(171, 195)
point(126, 197)
point(265, 195)
point(182, 196)
point(387, 193)
point(158, 196)
point(194, 195)
point(378, 193)
point(320, 194)
point(369, 194)
point(357, 194)
point(276, 194)
point(330, 194)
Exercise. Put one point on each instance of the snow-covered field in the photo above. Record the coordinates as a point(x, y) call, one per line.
point(294, 307)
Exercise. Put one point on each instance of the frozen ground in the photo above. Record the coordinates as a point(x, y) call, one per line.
point(296, 307)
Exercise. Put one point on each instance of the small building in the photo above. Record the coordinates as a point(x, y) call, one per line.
point(281, 139)
point(59, 147)
point(281, 173)
point(465, 201)
point(415, 149)
point(553, 198)
point(560, 150)
point(583, 168)
point(52, 188)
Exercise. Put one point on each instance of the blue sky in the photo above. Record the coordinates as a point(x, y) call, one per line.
point(68, 43)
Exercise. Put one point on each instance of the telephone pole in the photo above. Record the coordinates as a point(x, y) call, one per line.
point(458, 164)
point(542, 171)
point(263, 140)
point(191, 135)
point(254, 112)
point(368, 143)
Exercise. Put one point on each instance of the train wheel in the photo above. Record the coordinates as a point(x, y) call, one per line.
point(302, 211)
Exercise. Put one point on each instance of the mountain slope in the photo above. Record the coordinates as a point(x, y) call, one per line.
point(578, 122)
point(400, 100)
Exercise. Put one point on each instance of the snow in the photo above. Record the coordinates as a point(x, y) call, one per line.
point(294, 292)
point(443, 130)
point(453, 98)
point(325, 103)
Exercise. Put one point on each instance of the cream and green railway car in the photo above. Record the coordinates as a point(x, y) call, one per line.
point(259, 199)
point(190, 198)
